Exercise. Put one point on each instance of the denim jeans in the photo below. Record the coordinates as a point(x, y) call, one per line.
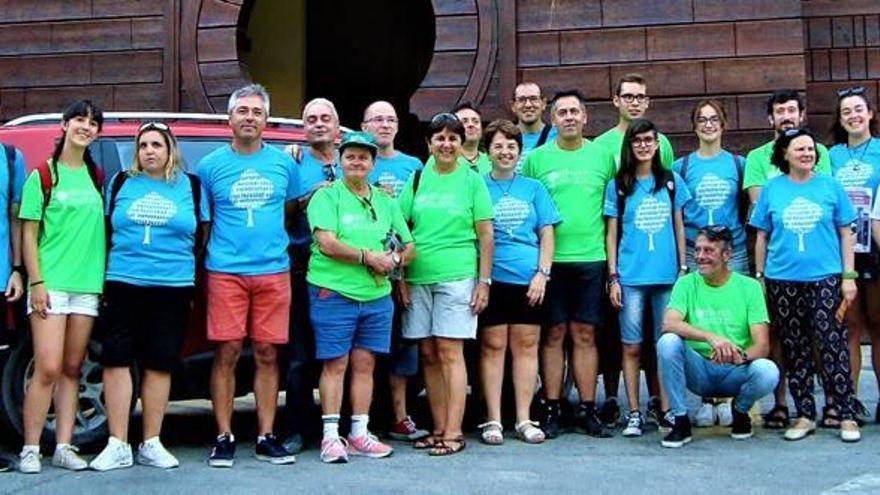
point(682, 367)
point(635, 300)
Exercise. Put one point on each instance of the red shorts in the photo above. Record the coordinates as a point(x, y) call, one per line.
point(254, 305)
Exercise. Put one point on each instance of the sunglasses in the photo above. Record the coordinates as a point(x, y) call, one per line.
point(794, 132)
point(716, 233)
point(154, 125)
point(443, 118)
point(368, 205)
point(329, 170)
point(853, 91)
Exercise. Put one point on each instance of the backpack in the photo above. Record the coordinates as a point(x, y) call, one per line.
point(669, 182)
point(742, 199)
point(47, 181)
point(545, 131)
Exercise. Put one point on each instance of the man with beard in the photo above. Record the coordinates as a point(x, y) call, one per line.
point(528, 105)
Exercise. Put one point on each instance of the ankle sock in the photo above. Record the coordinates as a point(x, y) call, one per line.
point(331, 426)
point(359, 424)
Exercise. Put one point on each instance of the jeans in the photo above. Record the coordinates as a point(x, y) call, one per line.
point(635, 301)
point(682, 367)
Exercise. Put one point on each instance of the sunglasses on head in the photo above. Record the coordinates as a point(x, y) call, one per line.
point(716, 233)
point(443, 118)
point(853, 91)
point(794, 132)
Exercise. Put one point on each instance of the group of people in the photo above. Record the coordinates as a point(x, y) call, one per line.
point(526, 235)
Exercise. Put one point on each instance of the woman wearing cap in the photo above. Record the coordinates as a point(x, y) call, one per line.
point(447, 286)
point(523, 233)
point(349, 291)
point(153, 210)
point(804, 247)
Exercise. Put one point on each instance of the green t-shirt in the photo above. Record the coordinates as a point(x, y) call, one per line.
point(576, 181)
point(759, 169)
point(482, 166)
point(729, 310)
point(71, 246)
point(612, 139)
point(336, 209)
point(443, 215)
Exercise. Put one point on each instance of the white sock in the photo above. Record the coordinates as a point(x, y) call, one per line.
point(359, 424)
point(152, 441)
point(60, 446)
point(30, 448)
point(331, 426)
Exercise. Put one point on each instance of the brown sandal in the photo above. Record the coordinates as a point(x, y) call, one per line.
point(443, 448)
point(429, 442)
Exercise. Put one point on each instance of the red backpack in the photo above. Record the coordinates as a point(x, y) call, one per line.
point(47, 182)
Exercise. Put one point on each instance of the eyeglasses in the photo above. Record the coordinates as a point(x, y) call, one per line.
point(522, 100)
point(629, 98)
point(444, 118)
point(153, 125)
point(382, 120)
point(329, 170)
point(368, 205)
point(643, 142)
point(716, 233)
point(853, 91)
point(703, 121)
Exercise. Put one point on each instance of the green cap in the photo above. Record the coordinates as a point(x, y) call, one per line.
point(362, 139)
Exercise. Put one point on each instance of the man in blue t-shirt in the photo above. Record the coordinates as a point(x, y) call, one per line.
point(318, 166)
point(251, 186)
point(390, 172)
point(528, 104)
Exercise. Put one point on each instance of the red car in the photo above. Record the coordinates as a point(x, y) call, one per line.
point(197, 135)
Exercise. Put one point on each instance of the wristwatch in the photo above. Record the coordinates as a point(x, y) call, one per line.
point(487, 280)
point(545, 271)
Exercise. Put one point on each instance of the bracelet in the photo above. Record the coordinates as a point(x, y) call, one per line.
point(613, 277)
point(18, 269)
point(34, 284)
point(759, 275)
point(850, 275)
point(363, 257)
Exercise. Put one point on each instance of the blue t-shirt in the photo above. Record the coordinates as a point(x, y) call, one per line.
point(394, 172)
point(522, 207)
point(858, 171)
point(18, 176)
point(154, 231)
point(311, 172)
point(801, 221)
point(714, 184)
point(530, 141)
point(646, 251)
point(248, 193)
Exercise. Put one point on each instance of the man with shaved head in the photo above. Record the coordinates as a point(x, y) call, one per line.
point(391, 171)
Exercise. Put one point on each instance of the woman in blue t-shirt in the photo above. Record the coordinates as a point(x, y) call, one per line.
point(644, 243)
point(805, 247)
point(523, 234)
point(855, 163)
point(154, 210)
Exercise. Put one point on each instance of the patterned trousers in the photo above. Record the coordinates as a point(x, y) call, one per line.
point(804, 315)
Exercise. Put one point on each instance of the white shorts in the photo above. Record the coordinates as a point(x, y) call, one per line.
point(440, 310)
point(65, 303)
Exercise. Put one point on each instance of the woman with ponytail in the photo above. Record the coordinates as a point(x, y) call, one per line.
point(64, 252)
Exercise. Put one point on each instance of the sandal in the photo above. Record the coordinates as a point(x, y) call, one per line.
point(528, 432)
point(492, 433)
point(429, 442)
point(443, 448)
point(830, 417)
point(777, 418)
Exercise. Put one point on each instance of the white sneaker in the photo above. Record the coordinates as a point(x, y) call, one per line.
point(67, 457)
point(705, 415)
point(634, 424)
point(29, 461)
point(153, 453)
point(115, 455)
point(725, 416)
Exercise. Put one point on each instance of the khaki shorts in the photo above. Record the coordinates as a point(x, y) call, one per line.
point(440, 310)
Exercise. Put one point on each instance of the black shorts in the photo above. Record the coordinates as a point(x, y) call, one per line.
point(508, 305)
point(867, 265)
point(576, 293)
point(146, 324)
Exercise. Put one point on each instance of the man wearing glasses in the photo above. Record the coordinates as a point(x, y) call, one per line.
point(716, 339)
point(318, 166)
point(528, 105)
point(632, 101)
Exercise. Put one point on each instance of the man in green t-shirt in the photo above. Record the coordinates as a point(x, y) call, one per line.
point(715, 340)
point(632, 101)
point(575, 172)
point(785, 110)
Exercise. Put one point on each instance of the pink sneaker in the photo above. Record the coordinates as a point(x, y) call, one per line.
point(368, 446)
point(333, 451)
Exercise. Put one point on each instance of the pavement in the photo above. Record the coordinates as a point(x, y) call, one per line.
point(573, 463)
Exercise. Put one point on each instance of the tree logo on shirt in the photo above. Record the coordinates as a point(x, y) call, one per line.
point(711, 193)
point(854, 174)
point(801, 217)
point(651, 217)
point(151, 210)
point(510, 213)
point(250, 192)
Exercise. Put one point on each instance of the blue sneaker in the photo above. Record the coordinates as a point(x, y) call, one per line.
point(223, 453)
point(269, 449)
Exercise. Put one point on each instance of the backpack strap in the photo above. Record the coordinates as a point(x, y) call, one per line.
point(10, 166)
point(545, 132)
point(45, 173)
point(118, 180)
point(684, 166)
point(195, 185)
point(417, 177)
point(669, 182)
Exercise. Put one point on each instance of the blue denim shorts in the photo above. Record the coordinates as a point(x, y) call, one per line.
point(341, 323)
point(636, 299)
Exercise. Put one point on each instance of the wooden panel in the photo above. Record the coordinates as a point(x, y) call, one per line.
point(122, 8)
point(691, 41)
point(448, 69)
point(215, 45)
point(592, 81)
point(11, 103)
point(816, 8)
point(536, 49)
point(600, 117)
point(456, 33)
point(25, 39)
point(769, 37)
point(821, 64)
point(147, 33)
point(842, 32)
point(537, 15)
point(133, 97)
point(18, 11)
point(646, 12)
point(820, 33)
point(50, 70)
point(752, 111)
point(839, 65)
point(872, 30)
point(217, 13)
point(858, 31)
point(127, 67)
point(873, 55)
point(755, 74)
point(858, 65)
point(428, 101)
point(451, 7)
point(112, 34)
point(602, 46)
point(822, 97)
point(55, 99)
point(666, 79)
point(727, 10)
point(674, 115)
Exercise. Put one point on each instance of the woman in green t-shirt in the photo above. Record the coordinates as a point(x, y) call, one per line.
point(63, 247)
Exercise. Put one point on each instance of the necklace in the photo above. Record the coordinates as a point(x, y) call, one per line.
point(852, 158)
point(504, 192)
